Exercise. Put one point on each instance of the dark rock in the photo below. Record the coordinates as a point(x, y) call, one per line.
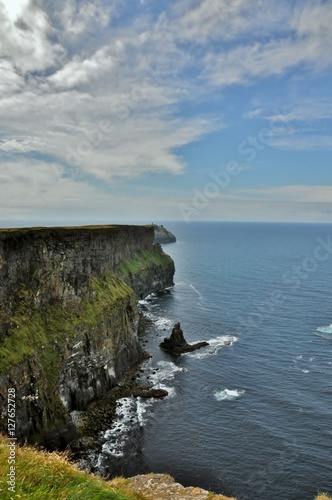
point(144, 392)
point(176, 344)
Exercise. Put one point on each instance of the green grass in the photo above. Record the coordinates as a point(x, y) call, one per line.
point(143, 260)
point(33, 329)
point(38, 338)
point(41, 476)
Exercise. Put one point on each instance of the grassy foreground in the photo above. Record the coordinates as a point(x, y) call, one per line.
point(41, 475)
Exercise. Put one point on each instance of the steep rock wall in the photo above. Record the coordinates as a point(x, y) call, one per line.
point(68, 318)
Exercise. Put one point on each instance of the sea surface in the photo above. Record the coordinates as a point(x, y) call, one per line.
point(250, 415)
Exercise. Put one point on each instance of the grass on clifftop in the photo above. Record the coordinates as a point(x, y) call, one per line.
point(49, 476)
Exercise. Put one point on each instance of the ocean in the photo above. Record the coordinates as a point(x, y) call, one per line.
point(250, 415)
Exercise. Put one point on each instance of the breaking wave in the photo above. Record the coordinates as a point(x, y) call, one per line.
point(228, 394)
point(215, 344)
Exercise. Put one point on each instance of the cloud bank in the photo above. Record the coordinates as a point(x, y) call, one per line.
point(91, 93)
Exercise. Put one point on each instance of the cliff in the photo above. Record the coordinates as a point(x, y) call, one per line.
point(68, 319)
point(162, 235)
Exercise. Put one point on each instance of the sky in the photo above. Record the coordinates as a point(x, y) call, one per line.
point(147, 110)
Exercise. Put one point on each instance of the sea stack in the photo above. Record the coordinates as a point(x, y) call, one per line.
point(176, 344)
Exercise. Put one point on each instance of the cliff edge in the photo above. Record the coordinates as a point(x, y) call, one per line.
point(68, 319)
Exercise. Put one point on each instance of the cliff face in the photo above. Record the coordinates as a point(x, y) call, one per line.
point(68, 318)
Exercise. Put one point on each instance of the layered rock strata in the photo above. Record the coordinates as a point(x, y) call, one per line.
point(68, 319)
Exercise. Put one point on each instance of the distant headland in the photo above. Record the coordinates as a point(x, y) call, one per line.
point(162, 235)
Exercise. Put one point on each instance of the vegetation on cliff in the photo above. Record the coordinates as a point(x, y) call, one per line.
point(143, 260)
point(38, 340)
point(44, 332)
point(68, 318)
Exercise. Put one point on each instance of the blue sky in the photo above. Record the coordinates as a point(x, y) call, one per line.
point(162, 110)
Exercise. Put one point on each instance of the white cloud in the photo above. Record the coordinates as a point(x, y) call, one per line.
point(32, 184)
point(77, 19)
point(42, 190)
point(26, 145)
point(70, 78)
point(10, 81)
point(260, 60)
point(24, 32)
point(296, 194)
point(304, 41)
point(308, 110)
point(15, 9)
point(141, 144)
point(314, 19)
point(302, 142)
point(207, 20)
point(80, 71)
point(285, 203)
point(254, 113)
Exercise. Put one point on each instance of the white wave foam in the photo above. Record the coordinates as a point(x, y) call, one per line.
point(300, 361)
point(195, 289)
point(159, 321)
point(214, 345)
point(143, 302)
point(142, 406)
point(228, 394)
point(325, 336)
point(162, 323)
point(116, 437)
point(129, 413)
point(166, 370)
point(160, 376)
point(171, 390)
point(325, 329)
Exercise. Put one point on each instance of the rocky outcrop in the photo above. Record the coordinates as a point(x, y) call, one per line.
point(68, 318)
point(162, 235)
point(163, 486)
point(176, 344)
point(147, 393)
